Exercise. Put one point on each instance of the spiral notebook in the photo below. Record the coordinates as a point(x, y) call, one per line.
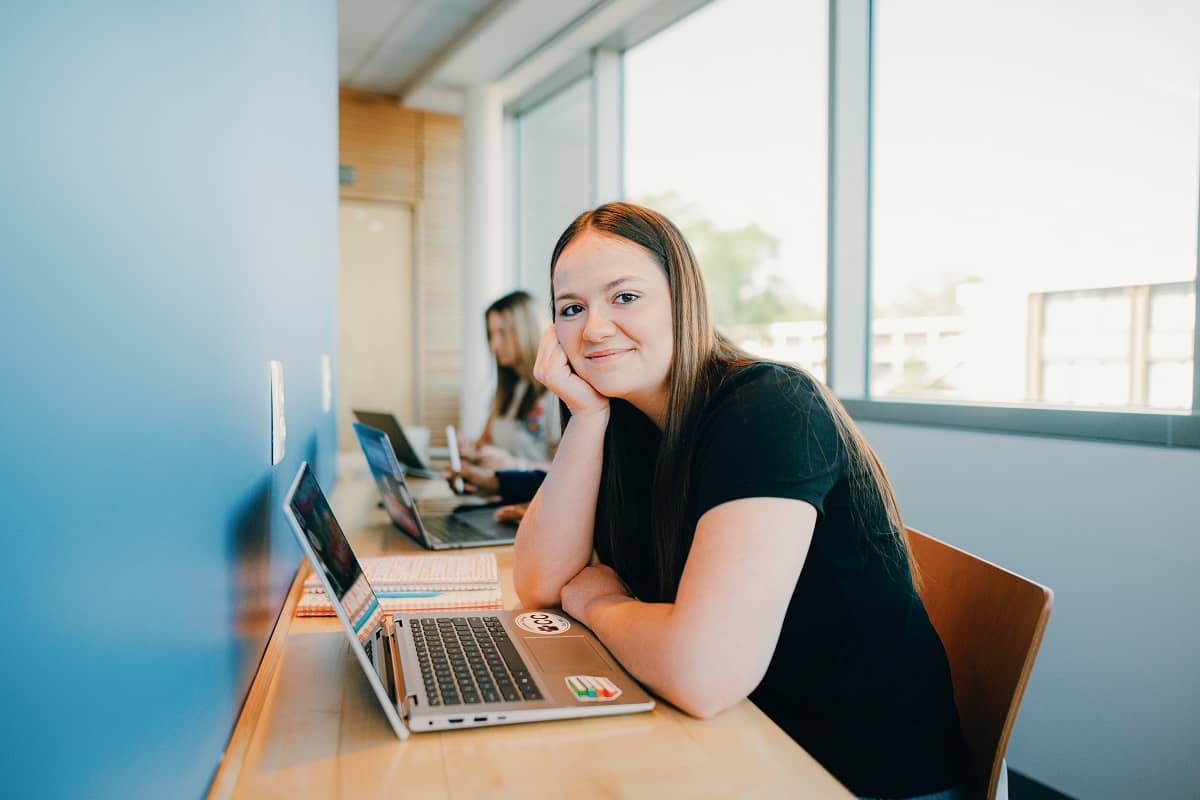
point(426, 582)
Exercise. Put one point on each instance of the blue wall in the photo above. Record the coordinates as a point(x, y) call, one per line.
point(1112, 709)
point(168, 195)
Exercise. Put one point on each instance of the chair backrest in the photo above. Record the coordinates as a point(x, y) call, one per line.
point(990, 621)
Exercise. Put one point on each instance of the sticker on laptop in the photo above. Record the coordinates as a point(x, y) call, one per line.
point(592, 689)
point(543, 623)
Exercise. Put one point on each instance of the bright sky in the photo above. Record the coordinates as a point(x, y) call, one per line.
point(1038, 145)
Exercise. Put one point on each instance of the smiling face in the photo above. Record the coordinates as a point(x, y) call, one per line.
point(612, 315)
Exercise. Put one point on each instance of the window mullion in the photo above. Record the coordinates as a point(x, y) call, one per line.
point(848, 301)
point(1196, 314)
point(607, 126)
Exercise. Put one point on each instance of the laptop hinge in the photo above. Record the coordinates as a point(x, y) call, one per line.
point(396, 687)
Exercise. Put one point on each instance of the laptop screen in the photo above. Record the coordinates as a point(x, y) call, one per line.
point(389, 478)
point(354, 601)
point(333, 556)
point(390, 426)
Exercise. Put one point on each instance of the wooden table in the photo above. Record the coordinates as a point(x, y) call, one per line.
point(312, 728)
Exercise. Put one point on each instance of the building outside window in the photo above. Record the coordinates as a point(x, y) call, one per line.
point(1035, 207)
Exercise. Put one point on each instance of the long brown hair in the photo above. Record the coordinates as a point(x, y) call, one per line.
point(526, 323)
point(700, 360)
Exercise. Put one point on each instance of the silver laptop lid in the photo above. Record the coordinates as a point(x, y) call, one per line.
point(355, 602)
point(389, 479)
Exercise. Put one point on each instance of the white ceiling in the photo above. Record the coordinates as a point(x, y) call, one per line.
point(396, 46)
point(382, 44)
point(427, 51)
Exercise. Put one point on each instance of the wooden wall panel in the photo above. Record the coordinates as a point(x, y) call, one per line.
point(378, 137)
point(442, 324)
point(403, 155)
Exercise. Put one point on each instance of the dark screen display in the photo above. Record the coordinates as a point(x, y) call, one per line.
point(334, 556)
point(389, 478)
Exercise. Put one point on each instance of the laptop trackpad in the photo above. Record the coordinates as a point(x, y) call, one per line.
point(573, 654)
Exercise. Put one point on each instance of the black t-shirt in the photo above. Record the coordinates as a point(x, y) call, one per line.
point(859, 677)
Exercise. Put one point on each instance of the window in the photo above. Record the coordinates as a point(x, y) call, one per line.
point(725, 133)
point(1034, 202)
point(1168, 345)
point(554, 179)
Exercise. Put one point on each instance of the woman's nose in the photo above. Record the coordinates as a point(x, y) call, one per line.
point(598, 327)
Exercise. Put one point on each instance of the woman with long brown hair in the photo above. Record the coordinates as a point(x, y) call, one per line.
point(509, 459)
point(721, 524)
point(522, 425)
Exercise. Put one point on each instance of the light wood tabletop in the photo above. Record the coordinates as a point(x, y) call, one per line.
point(311, 726)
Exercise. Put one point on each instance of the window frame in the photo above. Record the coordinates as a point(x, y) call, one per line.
point(851, 51)
point(850, 143)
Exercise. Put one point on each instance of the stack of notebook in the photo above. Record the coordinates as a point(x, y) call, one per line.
point(427, 582)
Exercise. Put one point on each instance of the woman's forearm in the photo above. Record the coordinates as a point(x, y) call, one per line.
point(554, 541)
point(683, 666)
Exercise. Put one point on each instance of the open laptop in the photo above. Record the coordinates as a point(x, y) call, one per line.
point(440, 670)
point(471, 527)
point(405, 452)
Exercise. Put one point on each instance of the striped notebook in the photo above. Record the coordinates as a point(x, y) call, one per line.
point(426, 582)
point(316, 604)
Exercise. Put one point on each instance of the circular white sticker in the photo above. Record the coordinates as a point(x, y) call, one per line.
point(543, 623)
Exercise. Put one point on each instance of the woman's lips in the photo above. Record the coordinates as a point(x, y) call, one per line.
point(605, 356)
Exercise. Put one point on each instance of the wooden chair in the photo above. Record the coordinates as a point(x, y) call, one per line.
point(991, 622)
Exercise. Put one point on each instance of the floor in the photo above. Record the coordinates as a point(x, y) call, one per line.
point(1022, 787)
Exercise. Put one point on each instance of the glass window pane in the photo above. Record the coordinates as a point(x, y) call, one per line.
point(554, 179)
point(725, 128)
point(1035, 190)
point(1169, 345)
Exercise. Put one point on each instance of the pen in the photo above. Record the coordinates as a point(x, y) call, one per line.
point(455, 460)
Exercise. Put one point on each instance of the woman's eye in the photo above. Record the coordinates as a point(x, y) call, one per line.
point(626, 297)
point(571, 310)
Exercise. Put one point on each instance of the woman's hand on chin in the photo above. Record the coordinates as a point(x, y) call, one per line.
point(554, 372)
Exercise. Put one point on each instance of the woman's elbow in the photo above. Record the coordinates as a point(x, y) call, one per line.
point(705, 694)
point(534, 594)
point(706, 705)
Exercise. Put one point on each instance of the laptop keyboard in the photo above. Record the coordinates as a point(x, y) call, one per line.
point(447, 529)
point(470, 660)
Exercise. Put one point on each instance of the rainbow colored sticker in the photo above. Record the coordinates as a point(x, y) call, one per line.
point(592, 689)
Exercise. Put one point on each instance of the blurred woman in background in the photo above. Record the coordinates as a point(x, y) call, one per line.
point(517, 444)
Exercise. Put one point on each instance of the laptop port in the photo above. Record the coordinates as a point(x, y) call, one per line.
point(481, 719)
point(455, 719)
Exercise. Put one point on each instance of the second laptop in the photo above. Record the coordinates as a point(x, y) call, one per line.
point(475, 527)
